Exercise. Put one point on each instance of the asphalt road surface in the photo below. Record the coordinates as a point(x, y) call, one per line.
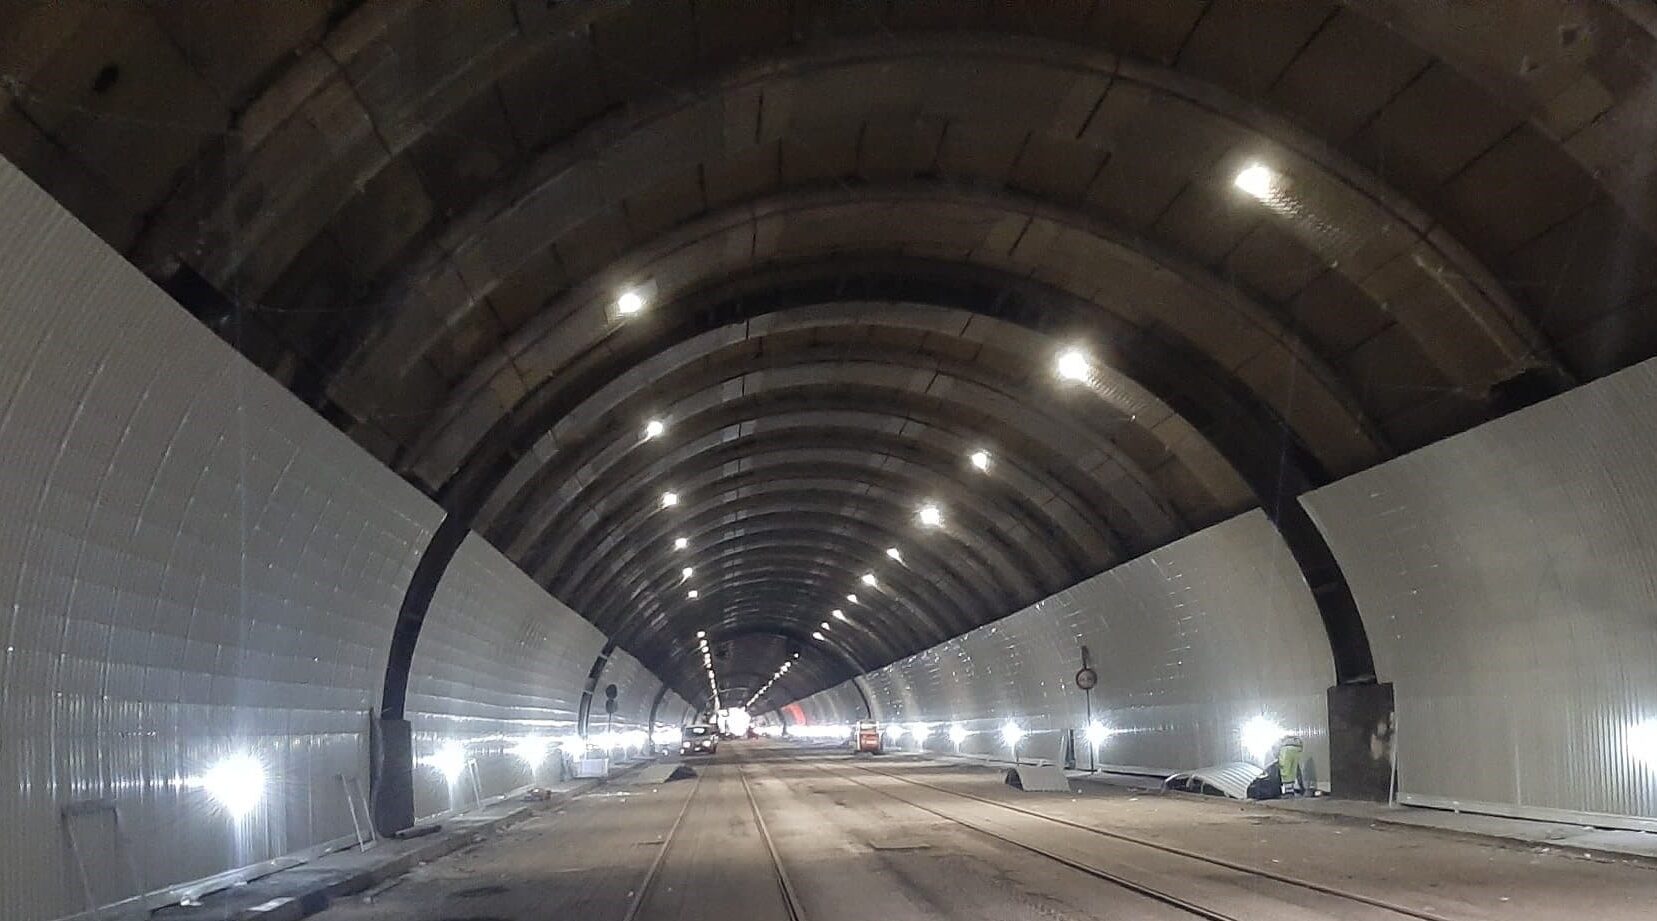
point(770, 831)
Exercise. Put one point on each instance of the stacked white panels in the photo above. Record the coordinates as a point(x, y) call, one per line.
point(193, 565)
point(1190, 642)
point(1505, 577)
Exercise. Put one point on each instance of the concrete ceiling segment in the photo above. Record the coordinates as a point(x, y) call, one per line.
point(1336, 221)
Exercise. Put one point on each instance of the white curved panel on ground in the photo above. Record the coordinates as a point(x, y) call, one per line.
point(193, 564)
point(498, 672)
point(1505, 577)
point(1190, 642)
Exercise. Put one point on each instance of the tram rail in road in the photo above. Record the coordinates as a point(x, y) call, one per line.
point(1371, 906)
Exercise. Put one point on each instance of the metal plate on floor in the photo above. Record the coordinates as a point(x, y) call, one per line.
point(899, 844)
point(653, 774)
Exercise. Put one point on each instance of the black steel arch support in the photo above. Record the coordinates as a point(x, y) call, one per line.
point(391, 777)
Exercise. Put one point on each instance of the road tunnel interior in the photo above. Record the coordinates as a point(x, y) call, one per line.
point(833, 360)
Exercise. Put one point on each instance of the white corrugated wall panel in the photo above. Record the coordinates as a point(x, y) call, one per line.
point(1190, 641)
point(193, 564)
point(499, 662)
point(1505, 577)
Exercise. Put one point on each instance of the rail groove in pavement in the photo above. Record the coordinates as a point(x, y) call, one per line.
point(1147, 890)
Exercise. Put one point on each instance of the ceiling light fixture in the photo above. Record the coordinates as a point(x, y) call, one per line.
point(838, 613)
point(630, 302)
point(691, 594)
point(686, 572)
point(1073, 365)
point(1258, 181)
point(869, 579)
point(852, 598)
point(931, 515)
point(816, 635)
point(670, 499)
point(895, 554)
point(654, 428)
point(680, 543)
point(981, 460)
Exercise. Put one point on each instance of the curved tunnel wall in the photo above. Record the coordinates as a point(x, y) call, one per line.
point(194, 565)
point(1505, 576)
point(1190, 642)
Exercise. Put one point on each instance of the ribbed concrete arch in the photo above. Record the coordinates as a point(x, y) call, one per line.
point(587, 479)
point(1362, 207)
point(926, 224)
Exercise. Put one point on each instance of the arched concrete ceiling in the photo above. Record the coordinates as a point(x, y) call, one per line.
point(866, 230)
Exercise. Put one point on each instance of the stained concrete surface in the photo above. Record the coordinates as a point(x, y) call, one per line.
point(860, 838)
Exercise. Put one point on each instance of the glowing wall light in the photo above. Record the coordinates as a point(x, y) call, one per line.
point(449, 760)
point(1259, 735)
point(236, 783)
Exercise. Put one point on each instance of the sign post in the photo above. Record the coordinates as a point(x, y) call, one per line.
point(1086, 679)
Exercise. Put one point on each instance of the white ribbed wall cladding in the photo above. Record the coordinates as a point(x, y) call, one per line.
point(499, 662)
point(1190, 642)
point(1506, 580)
point(193, 564)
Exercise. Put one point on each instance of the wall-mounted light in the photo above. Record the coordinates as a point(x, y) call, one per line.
point(686, 573)
point(931, 515)
point(838, 614)
point(1259, 735)
point(981, 460)
point(1642, 742)
point(654, 428)
point(1098, 734)
point(816, 634)
point(869, 579)
point(236, 782)
point(531, 750)
point(680, 543)
point(670, 499)
point(958, 734)
point(449, 760)
point(895, 554)
point(1011, 732)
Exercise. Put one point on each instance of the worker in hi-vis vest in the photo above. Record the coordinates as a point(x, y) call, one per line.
point(1288, 765)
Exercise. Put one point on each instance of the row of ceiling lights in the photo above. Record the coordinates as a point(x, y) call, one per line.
point(707, 663)
point(1072, 364)
point(781, 671)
